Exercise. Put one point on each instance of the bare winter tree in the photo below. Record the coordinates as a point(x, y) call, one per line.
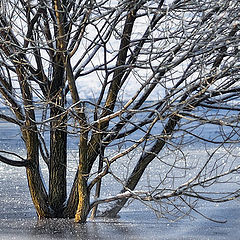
point(133, 84)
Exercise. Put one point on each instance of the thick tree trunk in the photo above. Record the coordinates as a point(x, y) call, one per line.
point(58, 131)
point(38, 192)
point(83, 207)
point(35, 182)
point(58, 146)
point(30, 136)
point(57, 171)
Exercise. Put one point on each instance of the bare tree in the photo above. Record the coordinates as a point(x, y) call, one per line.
point(137, 82)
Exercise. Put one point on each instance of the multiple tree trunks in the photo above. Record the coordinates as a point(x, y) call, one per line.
point(179, 51)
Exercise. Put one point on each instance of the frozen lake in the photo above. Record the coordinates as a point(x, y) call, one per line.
point(19, 221)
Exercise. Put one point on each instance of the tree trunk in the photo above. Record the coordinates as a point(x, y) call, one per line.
point(83, 207)
point(38, 192)
point(58, 139)
point(57, 174)
point(35, 182)
point(72, 203)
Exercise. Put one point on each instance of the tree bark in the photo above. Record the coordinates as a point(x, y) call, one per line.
point(35, 182)
point(58, 145)
point(57, 176)
point(83, 207)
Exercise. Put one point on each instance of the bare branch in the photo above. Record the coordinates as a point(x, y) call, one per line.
point(23, 163)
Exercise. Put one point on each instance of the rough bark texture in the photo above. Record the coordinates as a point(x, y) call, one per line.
point(83, 200)
point(83, 193)
point(57, 177)
point(35, 183)
point(58, 156)
point(38, 193)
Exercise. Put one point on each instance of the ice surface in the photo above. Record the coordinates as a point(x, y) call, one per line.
point(18, 219)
